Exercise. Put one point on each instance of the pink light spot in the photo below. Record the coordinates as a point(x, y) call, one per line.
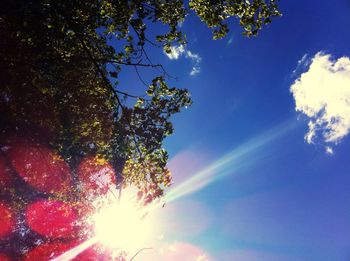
point(95, 178)
point(52, 218)
point(4, 257)
point(41, 168)
point(7, 221)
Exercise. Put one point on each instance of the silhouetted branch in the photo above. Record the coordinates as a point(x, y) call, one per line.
point(138, 252)
point(139, 76)
point(100, 71)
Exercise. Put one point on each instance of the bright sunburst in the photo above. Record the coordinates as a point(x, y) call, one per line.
point(121, 225)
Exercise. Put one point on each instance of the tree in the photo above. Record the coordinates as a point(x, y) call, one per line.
point(60, 62)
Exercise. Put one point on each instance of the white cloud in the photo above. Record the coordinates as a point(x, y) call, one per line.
point(178, 51)
point(323, 94)
point(329, 150)
point(193, 56)
point(195, 70)
point(196, 59)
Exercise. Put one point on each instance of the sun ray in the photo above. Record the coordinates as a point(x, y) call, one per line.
point(75, 251)
point(117, 225)
point(240, 157)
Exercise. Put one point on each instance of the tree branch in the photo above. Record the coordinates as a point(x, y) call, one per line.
point(134, 64)
point(129, 95)
point(100, 70)
point(138, 252)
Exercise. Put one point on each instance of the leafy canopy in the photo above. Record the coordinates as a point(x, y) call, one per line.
point(60, 64)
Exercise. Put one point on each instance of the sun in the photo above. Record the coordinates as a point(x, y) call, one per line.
point(122, 225)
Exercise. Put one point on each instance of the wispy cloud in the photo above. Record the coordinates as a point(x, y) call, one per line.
point(322, 93)
point(181, 50)
point(329, 150)
point(302, 64)
point(195, 70)
point(230, 40)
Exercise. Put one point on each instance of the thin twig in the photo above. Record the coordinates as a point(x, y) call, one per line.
point(138, 252)
point(100, 71)
point(146, 39)
point(130, 95)
point(139, 76)
point(134, 64)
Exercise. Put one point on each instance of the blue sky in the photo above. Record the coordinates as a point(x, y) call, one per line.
point(284, 199)
point(260, 161)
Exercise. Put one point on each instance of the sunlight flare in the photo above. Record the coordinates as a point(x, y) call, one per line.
point(75, 251)
point(121, 226)
point(240, 157)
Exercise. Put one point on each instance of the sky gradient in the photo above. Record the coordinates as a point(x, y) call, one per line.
point(259, 190)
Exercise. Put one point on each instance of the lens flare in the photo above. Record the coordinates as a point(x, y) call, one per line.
point(244, 155)
point(121, 226)
point(75, 251)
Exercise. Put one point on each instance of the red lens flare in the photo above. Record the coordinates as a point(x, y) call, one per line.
point(4, 257)
point(41, 168)
point(52, 218)
point(96, 177)
point(7, 221)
